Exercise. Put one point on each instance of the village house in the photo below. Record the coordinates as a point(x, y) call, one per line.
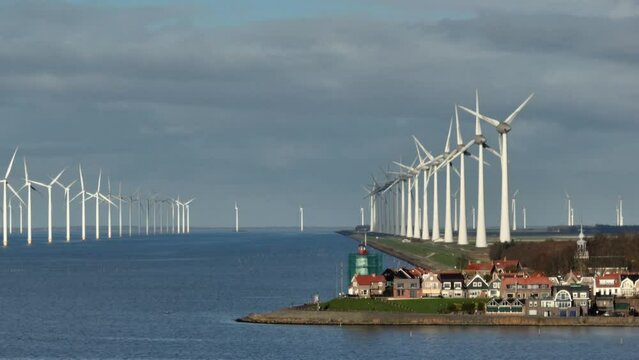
point(507, 266)
point(477, 287)
point(579, 295)
point(431, 285)
point(452, 285)
point(406, 285)
point(535, 285)
point(494, 288)
point(478, 268)
point(367, 286)
point(496, 306)
point(608, 284)
point(629, 285)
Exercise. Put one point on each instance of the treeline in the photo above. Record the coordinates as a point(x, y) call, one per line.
point(550, 256)
point(557, 257)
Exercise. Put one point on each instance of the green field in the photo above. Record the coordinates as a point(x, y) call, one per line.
point(424, 306)
point(445, 254)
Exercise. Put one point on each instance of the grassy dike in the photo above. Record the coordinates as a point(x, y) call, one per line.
point(427, 254)
point(421, 306)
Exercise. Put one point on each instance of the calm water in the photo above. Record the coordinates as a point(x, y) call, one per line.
point(170, 297)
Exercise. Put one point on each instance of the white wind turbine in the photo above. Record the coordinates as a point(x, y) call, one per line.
point(503, 128)
point(361, 212)
point(514, 209)
point(569, 208)
point(67, 198)
point(49, 187)
point(428, 166)
point(188, 216)
point(620, 211)
point(460, 151)
point(301, 219)
point(29, 186)
point(525, 225)
point(98, 197)
point(480, 141)
point(5, 185)
point(448, 225)
point(20, 203)
point(237, 218)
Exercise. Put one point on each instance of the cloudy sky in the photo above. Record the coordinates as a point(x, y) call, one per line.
point(278, 104)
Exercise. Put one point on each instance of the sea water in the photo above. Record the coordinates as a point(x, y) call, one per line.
point(177, 296)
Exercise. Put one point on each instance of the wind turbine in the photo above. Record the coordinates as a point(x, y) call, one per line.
point(514, 209)
point(448, 225)
point(99, 197)
point(5, 185)
point(237, 218)
point(67, 197)
point(20, 202)
point(620, 211)
point(569, 208)
point(301, 219)
point(28, 185)
point(427, 165)
point(455, 223)
point(361, 212)
point(503, 128)
point(188, 216)
point(49, 187)
point(524, 210)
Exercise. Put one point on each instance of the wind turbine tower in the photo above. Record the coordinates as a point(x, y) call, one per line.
point(237, 218)
point(301, 219)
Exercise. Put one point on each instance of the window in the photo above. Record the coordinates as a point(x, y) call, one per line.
point(458, 285)
point(447, 285)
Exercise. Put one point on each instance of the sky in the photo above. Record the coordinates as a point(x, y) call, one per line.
point(281, 104)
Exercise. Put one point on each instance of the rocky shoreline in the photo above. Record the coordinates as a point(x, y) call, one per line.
point(291, 316)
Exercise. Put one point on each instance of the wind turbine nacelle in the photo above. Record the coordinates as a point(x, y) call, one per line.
point(503, 128)
point(480, 139)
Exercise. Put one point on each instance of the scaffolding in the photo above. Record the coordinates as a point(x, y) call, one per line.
point(367, 264)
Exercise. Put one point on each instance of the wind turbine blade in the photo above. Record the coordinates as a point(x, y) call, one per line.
point(40, 184)
point(477, 159)
point(107, 200)
point(477, 122)
point(419, 154)
point(450, 128)
point(421, 146)
point(99, 180)
point(15, 193)
point(26, 172)
point(6, 176)
point(56, 178)
point(487, 119)
point(81, 177)
point(494, 152)
point(459, 137)
point(455, 169)
point(509, 120)
point(80, 193)
point(515, 193)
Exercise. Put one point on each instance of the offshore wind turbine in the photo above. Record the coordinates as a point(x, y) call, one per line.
point(5, 185)
point(67, 198)
point(301, 219)
point(49, 187)
point(188, 216)
point(569, 208)
point(28, 185)
point(361, 212)
point(237, 218)
point(503, 128)
point(524, 211)
point(514, 209)
point(620, 211)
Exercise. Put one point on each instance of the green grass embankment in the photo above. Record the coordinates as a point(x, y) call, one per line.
point(423, 306)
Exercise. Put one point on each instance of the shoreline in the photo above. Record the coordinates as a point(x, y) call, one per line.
point(291, 316)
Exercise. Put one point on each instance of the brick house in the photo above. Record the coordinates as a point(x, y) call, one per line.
point(536, 285)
